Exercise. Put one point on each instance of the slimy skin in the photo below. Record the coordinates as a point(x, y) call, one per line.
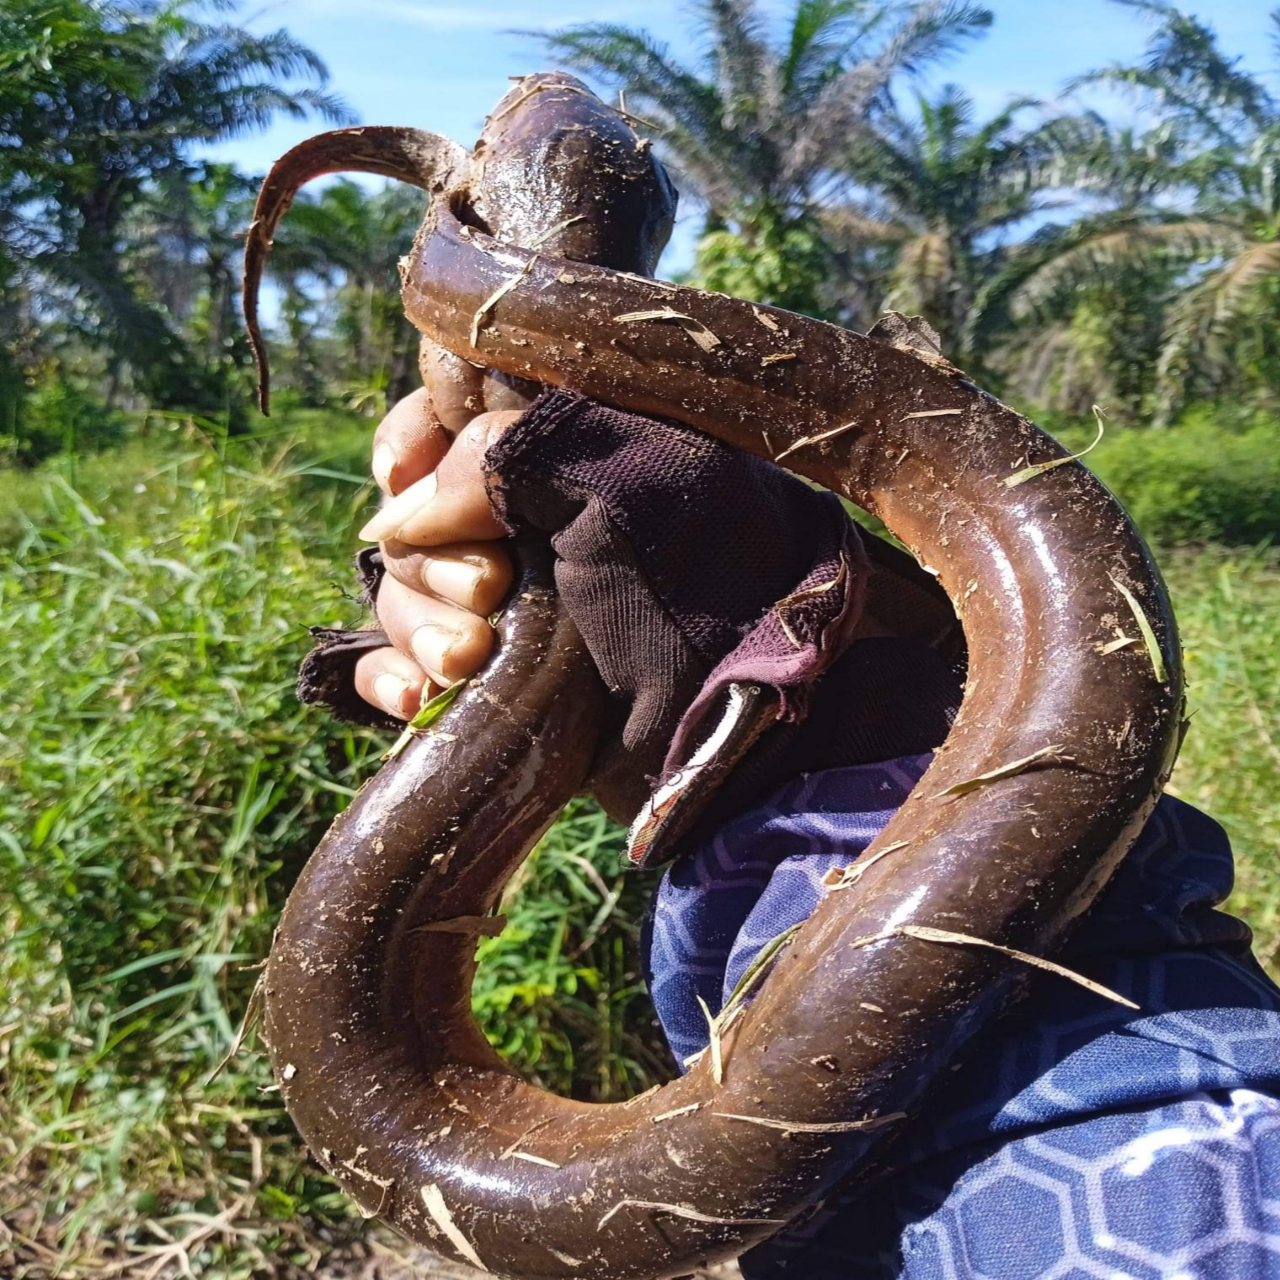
point(1057, 757)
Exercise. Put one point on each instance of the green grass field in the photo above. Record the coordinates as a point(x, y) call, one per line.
point(162, 788)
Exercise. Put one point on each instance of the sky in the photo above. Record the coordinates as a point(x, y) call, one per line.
point(442, 66)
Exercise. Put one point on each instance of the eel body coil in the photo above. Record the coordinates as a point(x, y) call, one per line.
point(531, 270)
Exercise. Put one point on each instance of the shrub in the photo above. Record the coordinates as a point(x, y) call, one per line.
point(1201, 480)
point(57, 417)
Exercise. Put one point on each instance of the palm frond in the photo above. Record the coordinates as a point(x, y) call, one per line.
point(1096, 250)
point(1139, 82)
point(842, 223)
point(992, 133)
point(1236, 283)
point(1197, 352)
point(1187, 75)
point(632, 58)
point(886, 159)
point(1185, 52)
point(743, 63)
point(931, 31)
point(1200, 322)
point(823, 32)
point(1125, 168)
point(1041, 280)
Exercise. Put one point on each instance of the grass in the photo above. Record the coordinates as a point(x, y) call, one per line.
point(161, 789)
point(1228, 606)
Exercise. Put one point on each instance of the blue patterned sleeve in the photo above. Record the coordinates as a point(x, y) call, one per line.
point(1080, 1138)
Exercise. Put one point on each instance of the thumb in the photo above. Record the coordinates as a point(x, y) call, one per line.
point(451, 503)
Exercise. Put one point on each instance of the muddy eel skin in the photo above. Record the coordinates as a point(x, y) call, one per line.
point(531, 269)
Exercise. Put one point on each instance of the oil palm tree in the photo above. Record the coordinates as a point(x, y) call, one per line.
point(942, 192)
point(755, 128)
point(1220, 330)
point(185, 242)
point(125, 93)
point(1189, 78)
point(1191, 216)
point(350, 239)
point(1075, 312)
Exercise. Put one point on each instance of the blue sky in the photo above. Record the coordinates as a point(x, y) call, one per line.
point(443, 66)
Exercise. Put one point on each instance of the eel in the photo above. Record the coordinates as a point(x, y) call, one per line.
point(531, 269)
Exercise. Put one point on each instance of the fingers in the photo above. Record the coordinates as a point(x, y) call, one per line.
point(386, 679)
point(451, 503)
point(408, 443)
point(432, 603)
point(473, 575)
point(456, 387)
point(448, 643)
point(459, 391)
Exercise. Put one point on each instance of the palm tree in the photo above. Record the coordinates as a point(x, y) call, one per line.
point(754, 129)
point(1075, 312)
point(185, 241)
point(351, 239)
point(1194, 220)
point(943, 192)
point(1188, 77)
point(129, 89)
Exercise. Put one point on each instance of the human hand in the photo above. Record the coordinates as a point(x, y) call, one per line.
point(447, 571)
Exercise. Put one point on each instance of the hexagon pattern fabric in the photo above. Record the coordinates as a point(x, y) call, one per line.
point(1080, 1138)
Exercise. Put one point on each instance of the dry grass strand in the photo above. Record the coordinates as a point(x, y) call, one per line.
point(687, 1211)
point(815, 439)
point(927, 934)
point(1148, 631)
point(694, 328)
point(485, 309)
point(1039, 468)
point(717, 1052)
point(433, 1200)
point(1010, 770)
point(807, 1126)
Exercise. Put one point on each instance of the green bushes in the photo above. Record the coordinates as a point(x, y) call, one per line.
point(784, 263)
point(55, 417)
point(1202, 480)
point(159, 786)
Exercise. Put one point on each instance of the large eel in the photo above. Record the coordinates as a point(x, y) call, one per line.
point(1064, 742)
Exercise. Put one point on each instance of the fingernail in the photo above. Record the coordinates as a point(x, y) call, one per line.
point(453, 579)
point(431, 646)
point(384, 463)
point(390, 691)
point(394, 513)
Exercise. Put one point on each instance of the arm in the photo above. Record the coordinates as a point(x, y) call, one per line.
point(1139, 1143)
